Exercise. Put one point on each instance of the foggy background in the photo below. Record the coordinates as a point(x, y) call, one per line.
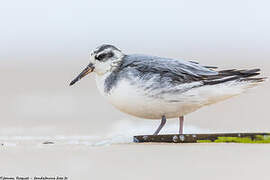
point(45, 44)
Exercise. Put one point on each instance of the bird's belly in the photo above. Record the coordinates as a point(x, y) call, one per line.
point(134, 101)
point(132, 97)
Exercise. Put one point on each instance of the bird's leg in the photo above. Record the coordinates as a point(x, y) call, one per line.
point(181, 127)
point(163, 122)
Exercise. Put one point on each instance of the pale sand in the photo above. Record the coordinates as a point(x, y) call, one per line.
point(37, 102)
point(142, 161)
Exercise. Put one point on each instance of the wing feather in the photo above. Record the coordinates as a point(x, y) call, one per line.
point(178, 70)
point(181, 71)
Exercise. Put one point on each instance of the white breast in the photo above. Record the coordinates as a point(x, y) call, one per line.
point(131, 99)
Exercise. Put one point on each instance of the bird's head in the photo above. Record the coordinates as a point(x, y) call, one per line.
point(104, 59)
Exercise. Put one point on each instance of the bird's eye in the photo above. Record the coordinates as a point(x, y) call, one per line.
point(101, 56)
point(104, 55)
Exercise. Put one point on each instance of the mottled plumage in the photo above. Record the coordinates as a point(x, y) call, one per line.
point(154, 87)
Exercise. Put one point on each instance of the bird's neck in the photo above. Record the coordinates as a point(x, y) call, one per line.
point(105, 82)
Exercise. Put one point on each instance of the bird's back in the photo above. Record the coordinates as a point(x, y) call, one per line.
point(183, 72)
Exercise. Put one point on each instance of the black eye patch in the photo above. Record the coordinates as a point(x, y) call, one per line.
point(101, 56)
point(104, 56)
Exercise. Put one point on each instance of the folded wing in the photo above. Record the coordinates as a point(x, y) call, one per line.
point(178, 70)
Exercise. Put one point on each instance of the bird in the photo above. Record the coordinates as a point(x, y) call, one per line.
point(158, 88)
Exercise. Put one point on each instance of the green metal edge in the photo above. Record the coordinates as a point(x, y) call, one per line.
point(259, 139)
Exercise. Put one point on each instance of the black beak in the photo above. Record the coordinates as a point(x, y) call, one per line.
point(86, 71)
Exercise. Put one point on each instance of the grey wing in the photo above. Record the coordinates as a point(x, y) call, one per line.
point(177, 70)
point(165, 78)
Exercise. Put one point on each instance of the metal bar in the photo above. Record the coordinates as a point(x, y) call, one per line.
point(205, 138)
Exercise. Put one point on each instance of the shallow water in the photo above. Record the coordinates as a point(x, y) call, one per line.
point(122, 133)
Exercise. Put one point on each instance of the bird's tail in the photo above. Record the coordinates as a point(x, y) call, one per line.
point(229, 83)
point(234, 75)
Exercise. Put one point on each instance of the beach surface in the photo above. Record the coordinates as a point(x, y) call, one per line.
point(49, 129)
point(137, 161)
